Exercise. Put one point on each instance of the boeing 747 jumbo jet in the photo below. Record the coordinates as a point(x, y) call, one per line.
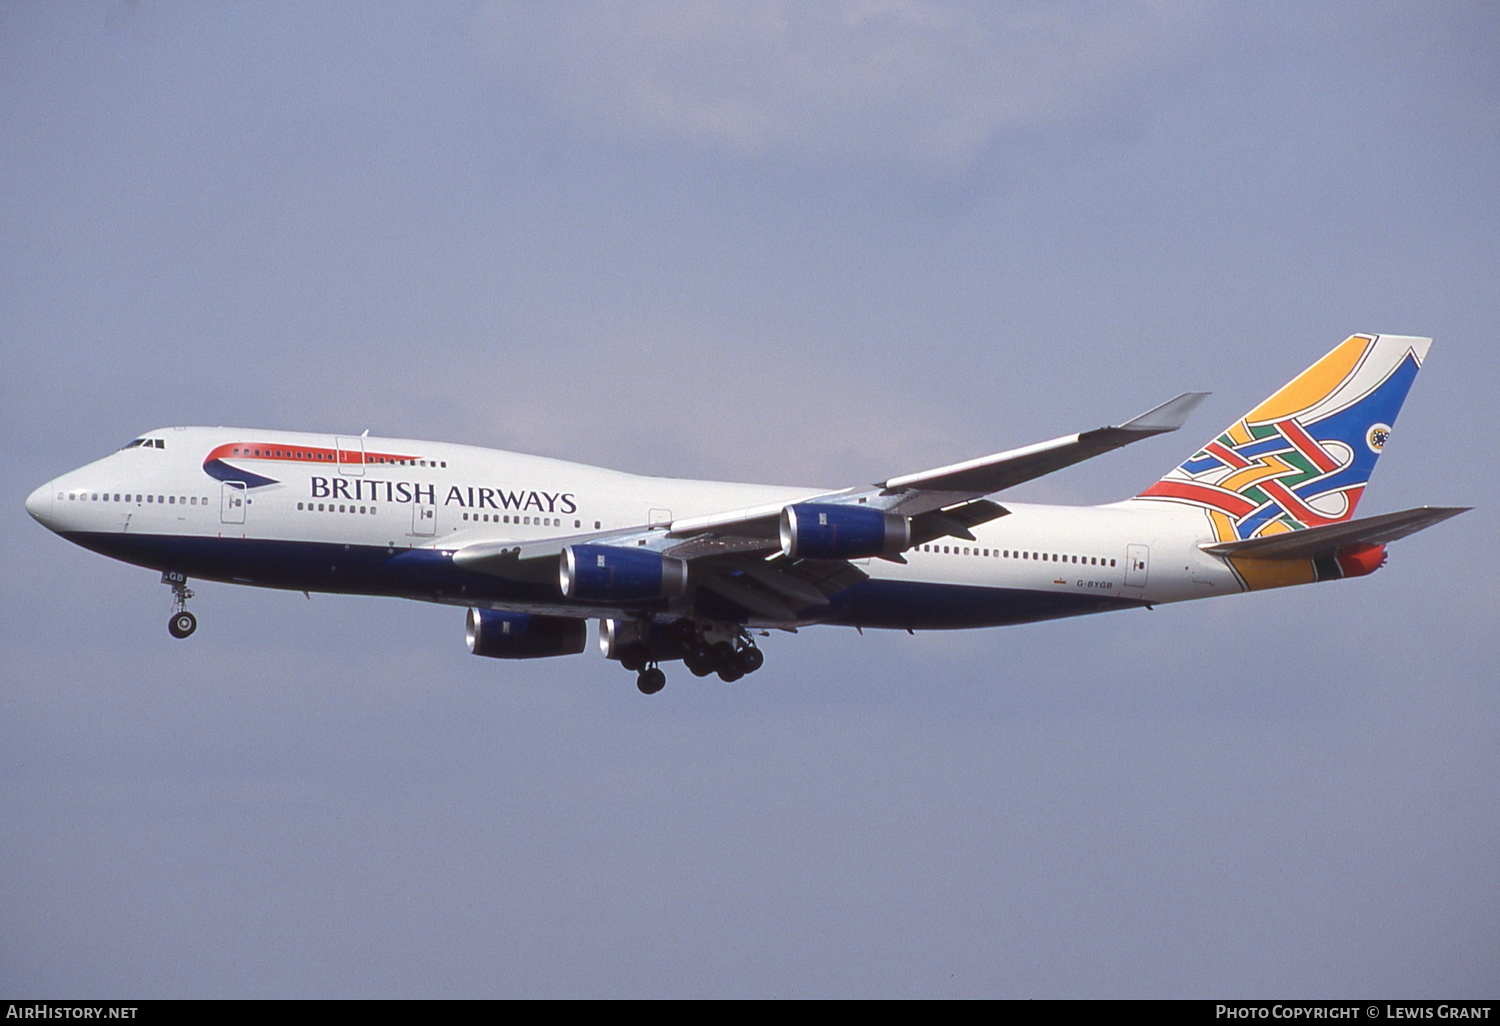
point(695, 570)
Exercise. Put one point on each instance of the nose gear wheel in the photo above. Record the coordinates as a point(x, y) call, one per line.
point(182, 623)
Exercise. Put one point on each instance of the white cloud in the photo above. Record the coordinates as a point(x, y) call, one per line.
point(926, 83)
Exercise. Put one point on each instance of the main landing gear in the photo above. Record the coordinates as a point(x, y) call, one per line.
point(651, 680)
point(182, 622)
point(728, 651)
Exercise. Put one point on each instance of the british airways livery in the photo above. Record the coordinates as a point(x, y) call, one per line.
point(696, 570)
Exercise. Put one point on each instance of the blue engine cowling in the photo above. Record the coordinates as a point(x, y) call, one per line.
point(613, 573)
point(523, 635)
point(815, 531)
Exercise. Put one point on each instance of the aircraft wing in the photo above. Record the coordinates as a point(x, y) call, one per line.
point(734, 552)
point(1329, 538)
point(990, 474)
point(947, 488)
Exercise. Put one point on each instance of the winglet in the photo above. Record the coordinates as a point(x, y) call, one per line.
point(1169, 416)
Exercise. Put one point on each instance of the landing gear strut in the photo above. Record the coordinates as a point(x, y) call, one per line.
point(731, 653)
point(182, 622)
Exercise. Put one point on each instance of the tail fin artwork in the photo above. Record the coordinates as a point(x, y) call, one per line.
point(1301, 459)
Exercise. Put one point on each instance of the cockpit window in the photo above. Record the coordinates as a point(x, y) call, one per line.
point(149, 443)
point(132, 445)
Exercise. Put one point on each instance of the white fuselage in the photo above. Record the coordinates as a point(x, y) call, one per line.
point(290, 500)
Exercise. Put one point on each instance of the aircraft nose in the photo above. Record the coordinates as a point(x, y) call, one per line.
point(39, 505)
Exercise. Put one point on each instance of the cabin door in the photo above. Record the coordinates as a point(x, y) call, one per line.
point(424, 519)
point(232, 502)
point(351, 455)
point(1137, 560)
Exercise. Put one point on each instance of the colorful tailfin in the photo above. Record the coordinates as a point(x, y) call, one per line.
point(1301, 458)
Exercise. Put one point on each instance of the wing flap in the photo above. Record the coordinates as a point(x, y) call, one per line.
point(720, 545)
point(954, 521)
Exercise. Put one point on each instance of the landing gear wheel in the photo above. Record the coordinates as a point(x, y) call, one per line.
point(699, 660)
point(651, 681)
point(635, 656)
point(182, 623)
point(751, 659)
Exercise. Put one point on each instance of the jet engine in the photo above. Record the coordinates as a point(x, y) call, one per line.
point(500, 635)
point(816, 531)
point(614, 573)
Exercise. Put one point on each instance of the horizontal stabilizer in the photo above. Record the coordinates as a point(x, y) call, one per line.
point(1318, 541)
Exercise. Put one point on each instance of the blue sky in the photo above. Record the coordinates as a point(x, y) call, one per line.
point(784, 242)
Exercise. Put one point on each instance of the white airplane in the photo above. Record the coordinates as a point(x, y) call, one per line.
point(694, 570)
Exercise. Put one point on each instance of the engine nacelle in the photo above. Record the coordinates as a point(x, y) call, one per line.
point(815, 531)
point(614, 573)
point(500, 635)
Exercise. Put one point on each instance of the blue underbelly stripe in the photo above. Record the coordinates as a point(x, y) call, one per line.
point(430, 575)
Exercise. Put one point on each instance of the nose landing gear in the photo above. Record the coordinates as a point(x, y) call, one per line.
point(182, 622)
